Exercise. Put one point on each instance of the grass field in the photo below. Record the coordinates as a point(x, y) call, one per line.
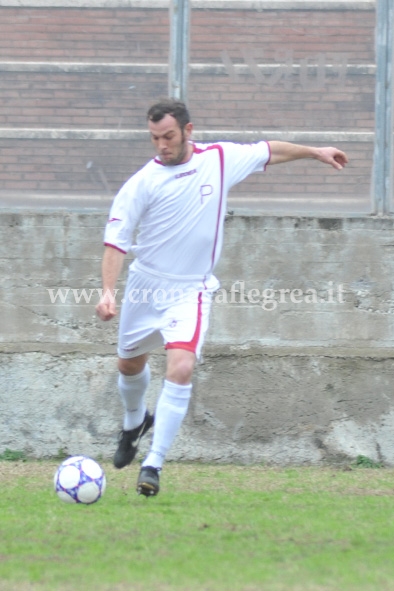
point(212, 528)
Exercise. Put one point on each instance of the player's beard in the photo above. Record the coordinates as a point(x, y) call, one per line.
point(180, 155)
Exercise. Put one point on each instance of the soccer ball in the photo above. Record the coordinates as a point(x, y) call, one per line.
point(79, 479)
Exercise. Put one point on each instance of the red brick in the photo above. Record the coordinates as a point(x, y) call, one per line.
point(89, 100)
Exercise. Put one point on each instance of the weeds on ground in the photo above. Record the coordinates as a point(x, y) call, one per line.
point(365, 462)
point(10, 455)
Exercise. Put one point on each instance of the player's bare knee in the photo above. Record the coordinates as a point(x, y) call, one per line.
point(179, 375)
point(180, 369)
point(133, 366)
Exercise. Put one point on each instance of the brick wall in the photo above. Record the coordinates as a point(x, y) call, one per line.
point(269, 32)
point(299, 70)
point(82, 34)
point(118, 101)
point(80, 166)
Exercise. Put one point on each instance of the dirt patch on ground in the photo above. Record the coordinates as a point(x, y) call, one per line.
point(10, 472)
point(198, 477)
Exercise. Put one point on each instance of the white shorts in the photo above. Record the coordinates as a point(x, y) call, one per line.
point(157, 311)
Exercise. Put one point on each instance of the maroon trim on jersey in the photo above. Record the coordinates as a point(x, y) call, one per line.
point(221, 158)
point(158, 161)
point(190, 345)
point(115, 247)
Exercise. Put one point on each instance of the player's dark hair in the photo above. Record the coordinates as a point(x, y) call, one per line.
point(177, 109)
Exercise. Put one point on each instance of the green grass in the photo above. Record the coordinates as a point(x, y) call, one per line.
point(10, 455)
point(212, 528)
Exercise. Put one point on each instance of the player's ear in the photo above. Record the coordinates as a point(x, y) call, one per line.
point(188, 129)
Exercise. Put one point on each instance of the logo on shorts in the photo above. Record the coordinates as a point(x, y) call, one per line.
point(173, 323)
point(132, 348)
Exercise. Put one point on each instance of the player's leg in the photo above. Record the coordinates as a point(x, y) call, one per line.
point(133, 381)
point(184, 341)
point(137, 336)
point(170, 411)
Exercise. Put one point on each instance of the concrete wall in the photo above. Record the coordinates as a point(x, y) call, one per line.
point(299, 374)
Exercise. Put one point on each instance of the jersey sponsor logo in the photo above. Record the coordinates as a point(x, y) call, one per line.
point(188, 173)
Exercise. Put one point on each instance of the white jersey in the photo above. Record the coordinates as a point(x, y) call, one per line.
point(179, 210)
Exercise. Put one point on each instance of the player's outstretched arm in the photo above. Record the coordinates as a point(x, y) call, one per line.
point(286, 152)
point(111, 267)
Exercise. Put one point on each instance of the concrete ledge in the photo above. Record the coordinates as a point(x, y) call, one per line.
point(249, 405)
point(210, 351)
point(254, 5)
point(195, 68)
point(32, 133)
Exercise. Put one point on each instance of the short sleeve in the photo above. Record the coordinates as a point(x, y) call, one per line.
point(241, 160)
point(125, 213)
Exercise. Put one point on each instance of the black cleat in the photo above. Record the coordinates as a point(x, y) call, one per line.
point(148, 481)
point(129, 440)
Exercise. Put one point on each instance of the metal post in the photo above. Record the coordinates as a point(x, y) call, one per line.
point(179, 49)
point(382, 182)
point(391, 103)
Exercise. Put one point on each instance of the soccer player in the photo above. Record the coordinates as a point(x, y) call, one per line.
point(178, 203)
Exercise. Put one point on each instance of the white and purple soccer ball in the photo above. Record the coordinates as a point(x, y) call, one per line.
point(80, 479)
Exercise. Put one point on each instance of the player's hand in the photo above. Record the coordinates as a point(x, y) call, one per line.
point(333, 156)
point(106, 308)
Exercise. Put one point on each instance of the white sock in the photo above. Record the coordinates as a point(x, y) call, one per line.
point(132, 392)
point(170, 411)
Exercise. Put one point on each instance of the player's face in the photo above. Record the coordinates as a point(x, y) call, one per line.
point(171, 142)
